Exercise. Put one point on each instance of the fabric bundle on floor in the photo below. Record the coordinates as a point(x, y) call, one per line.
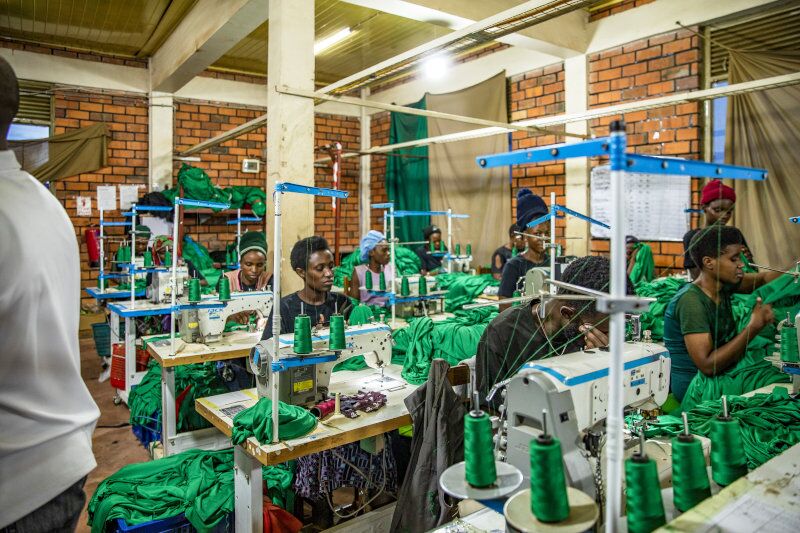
point(191, 381)
point(256, 421)
point(196, 483)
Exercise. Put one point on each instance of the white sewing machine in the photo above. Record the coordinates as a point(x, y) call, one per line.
point(160, 288)
point(573, 388)
point(211, 322)
point(304, 378)
point(458, 263)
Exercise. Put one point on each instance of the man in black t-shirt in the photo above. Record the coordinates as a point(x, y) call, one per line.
point(502, 255)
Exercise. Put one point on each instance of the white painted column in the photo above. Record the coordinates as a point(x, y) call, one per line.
point(365, 169)
point(290, 121)
point(159, 135)
point(577, 169)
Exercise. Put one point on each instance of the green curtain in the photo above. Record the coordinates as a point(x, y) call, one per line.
point(407, 183)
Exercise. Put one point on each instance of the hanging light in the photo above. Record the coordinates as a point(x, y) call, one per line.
point(323, 44)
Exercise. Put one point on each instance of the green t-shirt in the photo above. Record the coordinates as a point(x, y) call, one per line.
point(692, 311)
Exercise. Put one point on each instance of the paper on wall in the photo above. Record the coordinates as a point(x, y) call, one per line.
point(84, 205)
point(128, 194)
point(107, 197)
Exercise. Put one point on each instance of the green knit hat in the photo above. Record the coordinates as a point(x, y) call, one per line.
point(142, 232)
point(253, 240)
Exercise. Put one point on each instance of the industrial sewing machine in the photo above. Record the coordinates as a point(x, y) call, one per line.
point(431, 306)
point(458, 263)
point(160, 288)
point(304, 379)
point(207, 325)
point(574, 389)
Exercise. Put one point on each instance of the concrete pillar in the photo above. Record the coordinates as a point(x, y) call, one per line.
point(290, 122)
point(160, 147)
point(365, 169)
point(577, 169)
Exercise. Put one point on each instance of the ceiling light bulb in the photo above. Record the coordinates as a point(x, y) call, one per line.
point(323, 44)
point(435, 67)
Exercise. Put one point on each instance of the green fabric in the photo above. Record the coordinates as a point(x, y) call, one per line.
point(407, 180)
point(256, 421)
point(198, 255)
point(361, 314)
point(453, 340)
point(406, 261)
point(202, 380)
point(663, 290)
point(198, 186)
point(770, 423)
point(463, 288)
point(197, 483)
point(354, 363)
point(241, 195)
point(643, 266)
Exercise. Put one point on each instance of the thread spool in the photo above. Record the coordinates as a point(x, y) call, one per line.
point(302, 334)
point(516, 294)
point(645, 509)
point(423, 286)
point(480, 470)
point(148, 259)
point(690, 483)
point(368, 280)
point(549, 501)
point(194, 290)
point(441, 246)
point(224, 289)
point(469, 249)
point(728, 461)
point(382, 281)
point(458, 248)
point(168, 258)
point(789, 348)
point(514, 251)
point(405, 289)
point(336, 339)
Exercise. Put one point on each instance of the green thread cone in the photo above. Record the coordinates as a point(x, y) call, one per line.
point(148, 259)
point(478, 457)
point(469, 249)
point(336, 338)
point(168, 258)
point(789, 347)
point(549, 501)
point(514, 251)
point(194, 290)
point(516, 294)
point(302, 334)
point(405, 290)
point(458, 248)
point(423, 286)
point(368, 280)
point(441, 246)
point(645, 509)
point(224, 289)
point(690, 483)
point(382, 282)
point(728, 461)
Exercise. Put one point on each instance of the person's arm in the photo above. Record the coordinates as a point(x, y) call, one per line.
point(497, 266)
point(710, 361)
point(751, 282)
point(354, 291)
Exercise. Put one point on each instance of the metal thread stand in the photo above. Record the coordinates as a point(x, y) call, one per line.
point(617, 303)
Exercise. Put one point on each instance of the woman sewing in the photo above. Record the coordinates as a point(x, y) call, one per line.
point(375, 258)
point(252, 273)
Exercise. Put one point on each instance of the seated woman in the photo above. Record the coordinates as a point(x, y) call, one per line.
point(375, 254)
point(501, 256)
point(431, 264)
point(252, 273)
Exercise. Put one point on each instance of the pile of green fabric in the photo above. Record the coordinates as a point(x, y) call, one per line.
point(663, 290)
point(256, 421)
point(200, 379)
point(196, 483)
point(770, 423)
point(406, 261)
point(644, 268)
point(198, 186)
point(463, 288)
point(453, 340)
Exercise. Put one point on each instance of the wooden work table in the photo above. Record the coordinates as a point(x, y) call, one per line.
point(230, 346)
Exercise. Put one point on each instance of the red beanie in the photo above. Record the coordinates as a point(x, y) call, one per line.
point(716, 190)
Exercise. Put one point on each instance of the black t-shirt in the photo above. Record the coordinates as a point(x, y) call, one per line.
point(430, 262)
point(515, 268)
point(688, 262)
point(290, 308)
point(500, 256)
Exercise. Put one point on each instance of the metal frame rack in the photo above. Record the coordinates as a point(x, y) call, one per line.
point(617, 303)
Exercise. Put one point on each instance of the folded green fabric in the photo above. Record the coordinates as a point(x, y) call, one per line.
point(197, 483)
point(256, 421)
point(463, 288)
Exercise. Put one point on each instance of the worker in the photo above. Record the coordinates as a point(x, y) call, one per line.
point(529, 208)
point(312, 260)
point(47, 414)
point(639, 257)
point(375, 258)
point(501, 256)
point(717, 200)
point(430, 252)
point(252, 273)
point(699, 328)
point(520, 334)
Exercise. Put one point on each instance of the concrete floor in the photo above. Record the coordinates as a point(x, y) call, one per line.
point(114, 447)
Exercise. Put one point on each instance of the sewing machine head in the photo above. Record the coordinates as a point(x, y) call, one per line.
point(458, 263)
point(413, 284)
point(304, 379)
point(160, 288)
point(211, 322)
point(573, 388)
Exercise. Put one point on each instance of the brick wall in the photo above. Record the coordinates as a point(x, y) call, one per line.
point(648, 68)
point(72, 53)
point(534, 94)
point(612, 8)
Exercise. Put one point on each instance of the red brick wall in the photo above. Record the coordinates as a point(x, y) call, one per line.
point(72, 53)
point(534, 94)
point(615, 7)
point(648, 68)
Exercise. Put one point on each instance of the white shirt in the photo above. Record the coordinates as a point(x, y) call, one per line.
point(47, 415)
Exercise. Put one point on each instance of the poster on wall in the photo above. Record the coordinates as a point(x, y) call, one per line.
point(84, 205)
point(128, 194)
point(655, 205)
point(106, 197)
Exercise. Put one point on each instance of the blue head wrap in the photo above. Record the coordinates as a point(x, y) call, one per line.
point(369, 242)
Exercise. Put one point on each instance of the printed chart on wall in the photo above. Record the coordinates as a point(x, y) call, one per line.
point(655, 205)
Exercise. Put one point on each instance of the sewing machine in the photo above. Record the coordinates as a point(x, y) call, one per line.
point(160, 288)
point(304, 379)
point(431, 306)
point(207, 325)
point(534, 281)
point(458, 263)
point(573, 388)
